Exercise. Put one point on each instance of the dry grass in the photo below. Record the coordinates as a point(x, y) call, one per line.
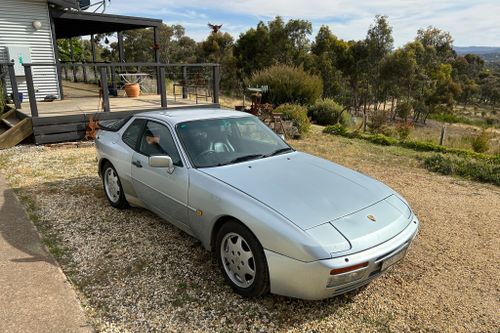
point(457, 135)
point(137, 273)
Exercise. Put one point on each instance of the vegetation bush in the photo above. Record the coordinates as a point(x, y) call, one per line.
point(328, 112)
point(378, 121)
point(297, 114)
point(381, 139)
point(337, 129)
point(288, 84)
point(480, 170)
point(481, 143)
point(403, 130)
point(415, 145)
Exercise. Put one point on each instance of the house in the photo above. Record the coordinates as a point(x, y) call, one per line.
point(32, 70)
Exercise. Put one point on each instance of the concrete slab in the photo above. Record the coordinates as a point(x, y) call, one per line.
point(34, 293)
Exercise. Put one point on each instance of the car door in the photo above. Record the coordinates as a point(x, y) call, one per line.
point(163, 192)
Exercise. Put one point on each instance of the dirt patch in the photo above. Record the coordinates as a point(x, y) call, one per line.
point(137, 273)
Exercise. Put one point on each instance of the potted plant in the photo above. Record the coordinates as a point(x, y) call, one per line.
point(132, 89)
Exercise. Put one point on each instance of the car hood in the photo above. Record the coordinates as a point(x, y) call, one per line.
point(307, 190)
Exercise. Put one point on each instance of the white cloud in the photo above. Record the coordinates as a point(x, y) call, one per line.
point(470, 22)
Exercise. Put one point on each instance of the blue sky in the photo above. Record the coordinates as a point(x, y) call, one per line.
point(470, 22)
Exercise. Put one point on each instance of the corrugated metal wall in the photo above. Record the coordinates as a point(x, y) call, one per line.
point(16, 18)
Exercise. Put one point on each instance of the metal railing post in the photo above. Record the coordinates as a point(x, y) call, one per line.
point(59, 78)
point(184, 84)
point(162, 87)
point(113, 79)
point(13, 84)
point(31, 90)
point(215, 83)
point(104, 89)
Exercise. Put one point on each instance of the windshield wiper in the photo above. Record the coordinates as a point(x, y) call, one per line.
point(278, 151)
point(242, 159)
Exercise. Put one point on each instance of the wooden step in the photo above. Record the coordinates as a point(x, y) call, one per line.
point(11, 121)
point(16, 134)
point(3, 128)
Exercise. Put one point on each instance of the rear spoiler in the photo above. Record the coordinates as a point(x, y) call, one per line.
point(113, 125)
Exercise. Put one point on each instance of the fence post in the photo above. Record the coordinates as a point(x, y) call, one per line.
point(104, 88)
point(13, 84)
point(162, 87)
point(31, 90)
point(215, 83)
point(442, 137)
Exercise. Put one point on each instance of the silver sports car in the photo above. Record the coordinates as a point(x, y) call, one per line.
point(277, 220)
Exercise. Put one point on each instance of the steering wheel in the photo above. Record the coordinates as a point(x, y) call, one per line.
point(205, 153)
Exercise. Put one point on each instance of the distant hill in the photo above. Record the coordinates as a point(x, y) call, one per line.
point(479, 50)
point(490, 54)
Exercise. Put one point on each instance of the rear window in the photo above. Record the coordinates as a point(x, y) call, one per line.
point(132, 133)
point(113, 125)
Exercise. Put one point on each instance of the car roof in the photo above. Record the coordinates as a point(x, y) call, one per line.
point(175, 116)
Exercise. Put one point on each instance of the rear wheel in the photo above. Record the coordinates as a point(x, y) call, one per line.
point(113, 187)
point(241, 260)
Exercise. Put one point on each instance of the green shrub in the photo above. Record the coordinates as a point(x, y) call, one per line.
point(337, 129)
point(328, 112)
point(297, 114)
point(403, 130)
point(288, 84)
point(481, 143)
point(378, 121)
point(423, 146)
point(381, 139)
point(480, 170)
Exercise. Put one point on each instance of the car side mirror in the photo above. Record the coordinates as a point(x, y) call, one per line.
point(162, 162)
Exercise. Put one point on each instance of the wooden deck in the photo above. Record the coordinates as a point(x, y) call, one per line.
point(81, 98)
point(66, 120)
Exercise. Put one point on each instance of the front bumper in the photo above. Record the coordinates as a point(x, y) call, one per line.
point(311, 280)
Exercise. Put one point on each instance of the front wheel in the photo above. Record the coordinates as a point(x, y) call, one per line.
point(242, 261)
point(113, 187)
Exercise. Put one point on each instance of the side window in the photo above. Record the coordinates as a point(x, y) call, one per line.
point(157, 140)
point(131, 134)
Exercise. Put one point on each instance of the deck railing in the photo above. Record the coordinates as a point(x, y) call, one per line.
point(7, 70)
point(107, 76)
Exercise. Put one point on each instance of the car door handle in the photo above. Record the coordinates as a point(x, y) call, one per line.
point(137, 164)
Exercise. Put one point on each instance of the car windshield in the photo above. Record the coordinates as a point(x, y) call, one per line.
point(217, 142)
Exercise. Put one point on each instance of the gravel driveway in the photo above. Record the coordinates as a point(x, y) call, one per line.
point(134, 272)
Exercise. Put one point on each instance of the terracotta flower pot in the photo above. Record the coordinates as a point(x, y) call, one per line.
point(132, 89)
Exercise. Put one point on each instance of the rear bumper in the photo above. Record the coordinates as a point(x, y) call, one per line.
point(311, 280)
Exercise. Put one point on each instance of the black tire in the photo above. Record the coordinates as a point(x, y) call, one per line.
point(119, 201)
point(260, 283)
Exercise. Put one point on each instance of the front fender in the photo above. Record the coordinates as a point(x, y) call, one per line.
point(210, 199)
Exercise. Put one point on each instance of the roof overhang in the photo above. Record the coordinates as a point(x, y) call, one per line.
point(66, 3)
point(69, 23)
